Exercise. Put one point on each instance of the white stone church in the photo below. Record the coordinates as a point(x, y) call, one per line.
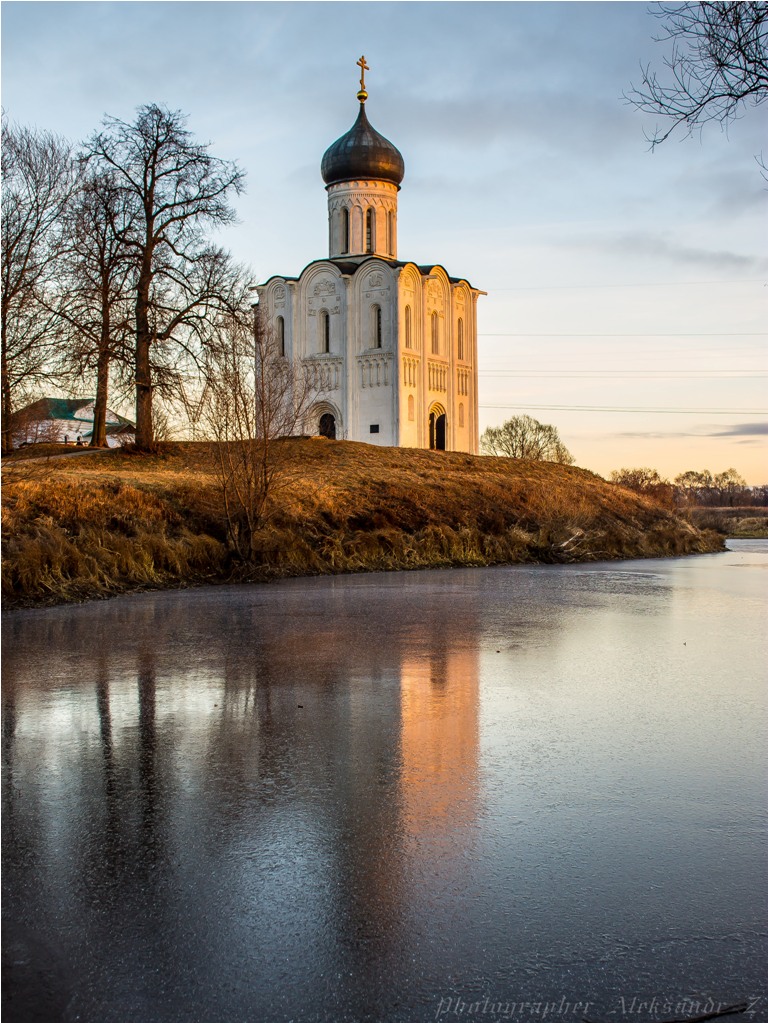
point(391, 346)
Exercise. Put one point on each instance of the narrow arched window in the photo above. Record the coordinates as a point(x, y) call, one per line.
point(377, 333)
point(411, 408)
point(391, 233)
point(370, 230)
point(280, 325)
point(461, 413)
point(408, 335)
point(435, 335)
point(325, 331)
point(344, 229)
point(460, 338)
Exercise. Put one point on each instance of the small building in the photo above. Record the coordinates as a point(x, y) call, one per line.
point(67, 421)
point(390, 346)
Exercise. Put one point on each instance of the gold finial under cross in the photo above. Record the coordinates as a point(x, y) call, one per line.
point(362, 95)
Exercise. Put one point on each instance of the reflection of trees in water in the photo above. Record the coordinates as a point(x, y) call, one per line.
point(111, 849)
point(150, 824)
point(386, 707)
point(8, 737)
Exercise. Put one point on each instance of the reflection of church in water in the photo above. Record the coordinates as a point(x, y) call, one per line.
point(391, 347)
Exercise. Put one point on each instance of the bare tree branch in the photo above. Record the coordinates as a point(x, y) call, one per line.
point(718, 65)
point(253, 396)
point(525, 437)
point(39, 180)
point(179, 189)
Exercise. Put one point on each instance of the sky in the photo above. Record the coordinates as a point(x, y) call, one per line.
point(627, 289)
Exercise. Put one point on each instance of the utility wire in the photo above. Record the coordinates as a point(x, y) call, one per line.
point(583, 375)
point(647, 284)
point(701, 333)
point(635, 408)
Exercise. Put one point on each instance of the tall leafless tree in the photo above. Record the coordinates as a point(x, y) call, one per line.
point(181, 280)
point(254, 396)
point(718, 64)
point(97, 280)
point(525, 437)
point(39, 180)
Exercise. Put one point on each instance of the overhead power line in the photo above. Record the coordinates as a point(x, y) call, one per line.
point(585, 374)
point(699, 333)
point(637, 284)
point(635, 408)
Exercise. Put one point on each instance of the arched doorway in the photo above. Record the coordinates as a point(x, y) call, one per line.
point(437, 428)
point(327, 426)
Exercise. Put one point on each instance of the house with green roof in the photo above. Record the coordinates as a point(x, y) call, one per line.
point(68, 421)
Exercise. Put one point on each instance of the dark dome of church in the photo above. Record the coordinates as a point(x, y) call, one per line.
point(362, 153)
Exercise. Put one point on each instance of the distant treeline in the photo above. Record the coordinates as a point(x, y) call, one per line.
point(703, 489)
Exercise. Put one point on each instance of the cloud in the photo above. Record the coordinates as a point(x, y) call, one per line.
point(745, 430)
point(658, 246)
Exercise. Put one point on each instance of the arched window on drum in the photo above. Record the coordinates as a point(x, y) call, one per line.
point(344, 229)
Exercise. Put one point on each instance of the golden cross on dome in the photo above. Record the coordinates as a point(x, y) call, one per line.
point(363, 68)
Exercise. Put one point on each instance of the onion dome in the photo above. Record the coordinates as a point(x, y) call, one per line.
point(362, 153)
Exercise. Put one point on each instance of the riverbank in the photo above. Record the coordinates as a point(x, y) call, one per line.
point(739, 523)
point(77, 528)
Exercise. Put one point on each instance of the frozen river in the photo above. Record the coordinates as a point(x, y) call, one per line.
point(512, 793)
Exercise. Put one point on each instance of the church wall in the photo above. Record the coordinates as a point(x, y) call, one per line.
point(372, 370)
point(276, 302)
point(393, 386)
point(409, 341)
point(436, 367)
point(321, 342)
point(464, 373)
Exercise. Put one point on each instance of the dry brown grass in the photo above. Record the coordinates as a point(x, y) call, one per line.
point(119, 521)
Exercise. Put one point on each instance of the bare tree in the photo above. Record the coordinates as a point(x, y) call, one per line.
point(704, 488)
point(647, 482)
point(39, 179)
point(254, 396)
point(97, 278)
point(182, 282)
point(525, 437)
point(731, 487)
point(718, 64)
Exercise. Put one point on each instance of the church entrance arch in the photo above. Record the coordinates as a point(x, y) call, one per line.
point(324, 419)
point(437, 428)
point(327, 427)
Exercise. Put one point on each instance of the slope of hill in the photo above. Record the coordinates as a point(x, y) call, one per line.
point(86, 526)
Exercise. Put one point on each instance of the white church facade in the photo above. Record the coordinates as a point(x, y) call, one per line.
point(391, 346)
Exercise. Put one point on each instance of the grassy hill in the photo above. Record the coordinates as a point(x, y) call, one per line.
point(91, 525)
